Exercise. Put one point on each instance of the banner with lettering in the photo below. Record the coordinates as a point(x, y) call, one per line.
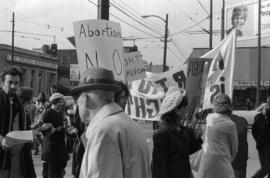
point(133, 65)
point(220, 75)
point(196, 70)
point(147, 94)
point(99, 44)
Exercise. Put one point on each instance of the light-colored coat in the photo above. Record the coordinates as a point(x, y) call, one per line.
point(220, 147)
point(116, 147)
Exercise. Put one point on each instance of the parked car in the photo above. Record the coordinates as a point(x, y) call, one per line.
point(249, 115)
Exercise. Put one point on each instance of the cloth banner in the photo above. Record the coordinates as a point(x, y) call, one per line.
point(147, 94)
point(220, 76)
point(99, 44)
point(195, 83)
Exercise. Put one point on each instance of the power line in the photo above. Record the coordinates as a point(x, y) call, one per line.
point(33, 21)
point(190, 27)
point(137, 14)
point(179, 51)
point(203, 7)
point(188, 16)
point(127, 23)
point(134, 19)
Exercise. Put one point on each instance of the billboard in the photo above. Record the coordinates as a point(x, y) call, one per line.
point(244, 17)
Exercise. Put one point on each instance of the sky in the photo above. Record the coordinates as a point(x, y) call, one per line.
point(38, 21)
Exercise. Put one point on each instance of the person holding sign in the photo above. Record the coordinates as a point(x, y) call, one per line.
point(221, 141)
point(116, 146)
point(173, 143)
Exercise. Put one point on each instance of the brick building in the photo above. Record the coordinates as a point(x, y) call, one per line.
point(39, 70)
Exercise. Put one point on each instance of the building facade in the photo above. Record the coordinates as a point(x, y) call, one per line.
point(39, 70)
point(65, 58)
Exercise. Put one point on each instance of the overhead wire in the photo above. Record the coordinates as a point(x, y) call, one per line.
point(126, 22)
point(188, 16)
point(203, 7)
point(190, 27)
point(134, 18)
point(137, 14)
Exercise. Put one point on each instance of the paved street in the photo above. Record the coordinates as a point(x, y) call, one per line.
point(253, 162)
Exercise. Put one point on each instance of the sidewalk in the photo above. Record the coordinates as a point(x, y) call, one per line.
point(253, 161)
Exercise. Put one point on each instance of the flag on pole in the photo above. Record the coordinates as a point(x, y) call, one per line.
point(220, 76)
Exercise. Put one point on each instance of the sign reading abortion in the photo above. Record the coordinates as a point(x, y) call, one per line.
point(99, 44)
point(133, 65)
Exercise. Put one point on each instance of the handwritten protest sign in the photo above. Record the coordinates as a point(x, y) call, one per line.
point(99, 44)
point(133, 65)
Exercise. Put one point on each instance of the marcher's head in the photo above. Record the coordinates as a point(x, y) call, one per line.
point(122, 95)
point(96, 89)
point(11, 81)
point(41, 97)
point(223, 104)
point(26, 95)
point(57, 100)
point(173, 106)
point(239, 16)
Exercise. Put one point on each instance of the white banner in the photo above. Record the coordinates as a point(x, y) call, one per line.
point(147, 94)
point(220, 76)
point(133, 65)
point(99, 44)
point(162, 81)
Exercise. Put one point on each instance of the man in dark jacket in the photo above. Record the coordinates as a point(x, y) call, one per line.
point(239, 163)
point(13, 162)
point(261, 134)
point(54, 150)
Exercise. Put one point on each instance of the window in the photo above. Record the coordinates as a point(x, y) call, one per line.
point(39, 81)
point(23, 76)
point(32, 78)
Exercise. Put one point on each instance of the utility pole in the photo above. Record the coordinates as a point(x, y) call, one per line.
point(165, 43)
point(211, 25)
point(222, 19)
point(12, 38)
point(259, 56)
point(103, 9)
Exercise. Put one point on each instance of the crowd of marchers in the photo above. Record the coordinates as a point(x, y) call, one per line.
point(107, 143)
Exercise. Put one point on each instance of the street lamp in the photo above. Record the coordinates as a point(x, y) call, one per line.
point(165, 37)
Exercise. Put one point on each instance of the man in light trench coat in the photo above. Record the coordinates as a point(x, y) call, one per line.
point(116, 146)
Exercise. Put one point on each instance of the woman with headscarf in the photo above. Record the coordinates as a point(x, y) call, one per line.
point(173, 143)
point(221, 141)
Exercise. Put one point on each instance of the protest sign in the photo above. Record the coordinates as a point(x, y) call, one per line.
point(74, 72)
point(99, 44)
point(133, 65)
point(220, 75)
point(195, 83)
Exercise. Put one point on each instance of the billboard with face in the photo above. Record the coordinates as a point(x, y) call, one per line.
point(244, 17)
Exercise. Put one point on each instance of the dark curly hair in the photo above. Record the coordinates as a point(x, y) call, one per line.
point(11, 71)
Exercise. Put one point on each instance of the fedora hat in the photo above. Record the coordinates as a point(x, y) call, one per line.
point(96, 78)
point(173, 98)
